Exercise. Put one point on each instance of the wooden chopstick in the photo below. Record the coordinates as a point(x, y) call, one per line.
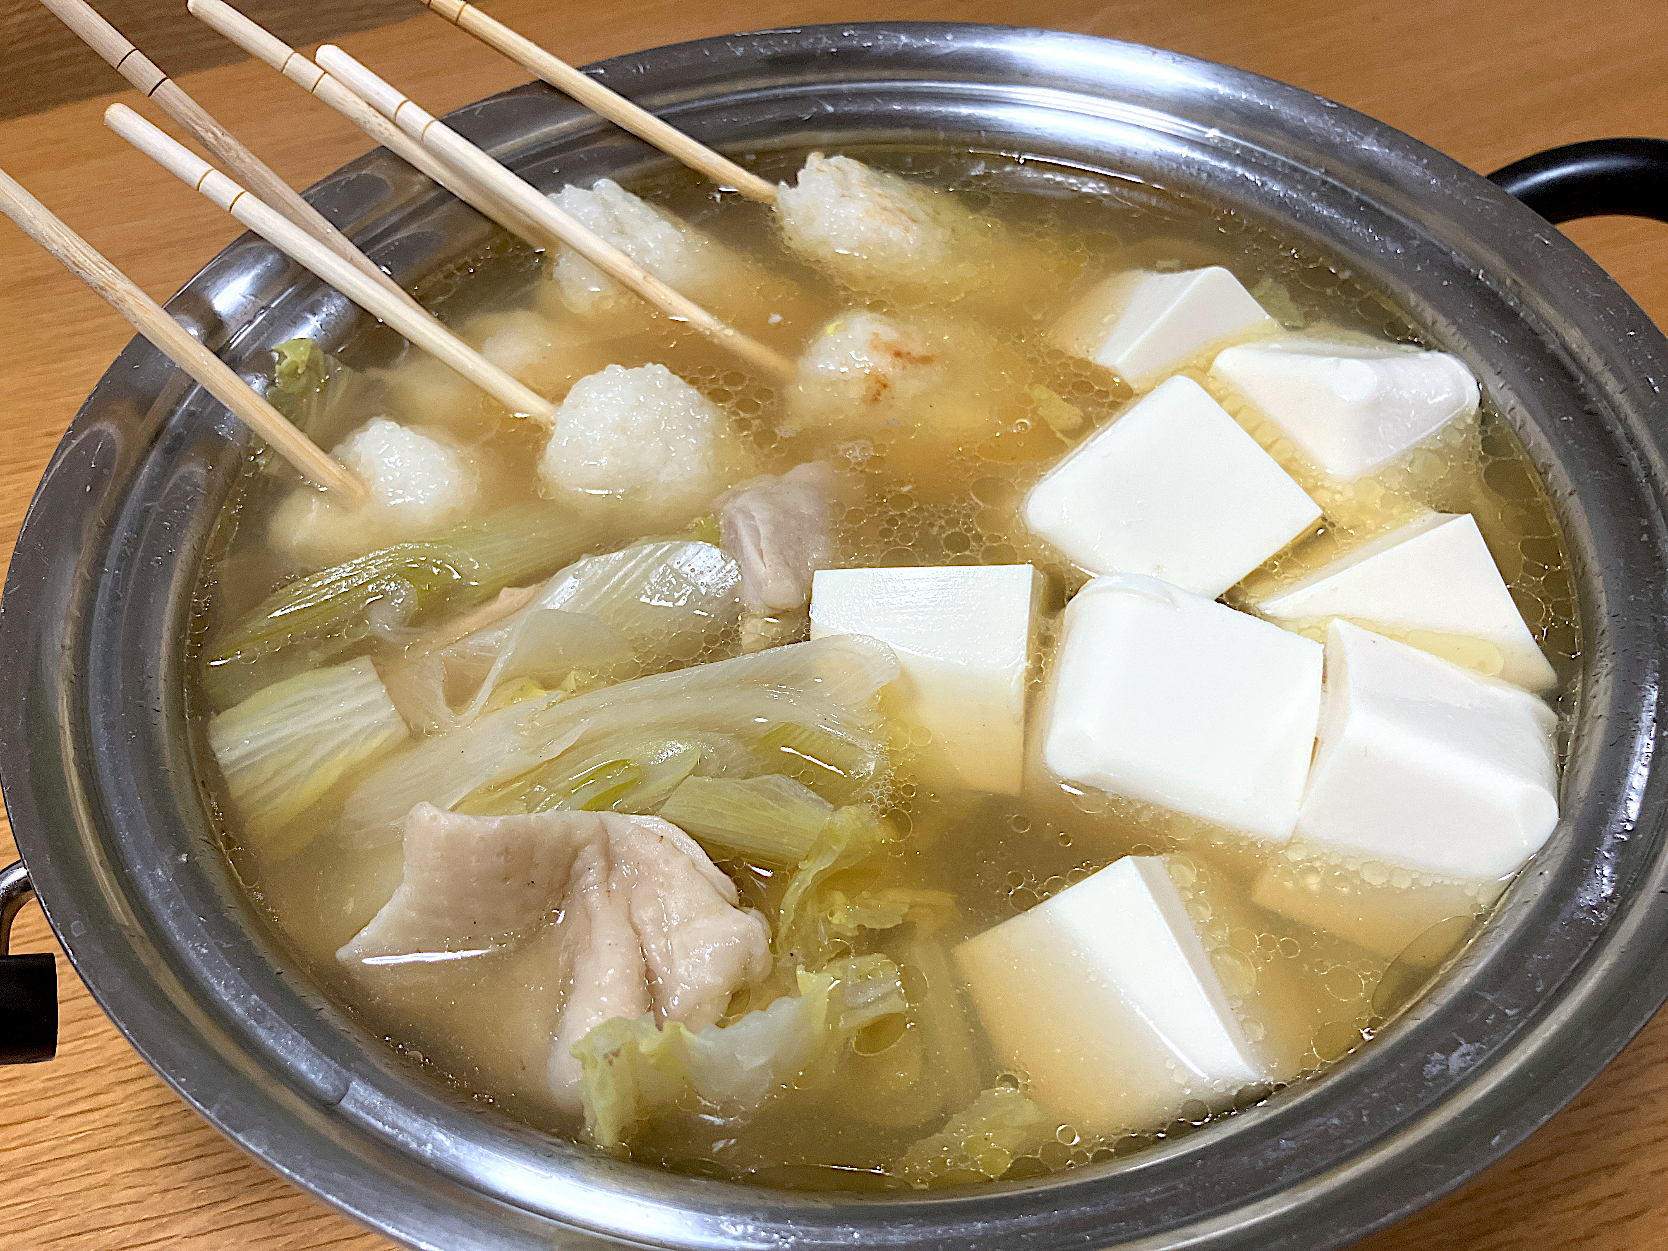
point(172, 339)
point(419, 327)
point(265, 46)
point(142, 72)
point(528, 202)
point(601, 100)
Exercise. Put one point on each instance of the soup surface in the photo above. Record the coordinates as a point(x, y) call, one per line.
point(929, 1094)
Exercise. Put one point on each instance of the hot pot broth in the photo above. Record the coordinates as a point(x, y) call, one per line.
point(924, 1095)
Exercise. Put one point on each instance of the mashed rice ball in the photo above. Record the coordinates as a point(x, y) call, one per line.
point(877, 232)
point(670, 249)
point(642, 436)
point(417, 484)
point(864, 367)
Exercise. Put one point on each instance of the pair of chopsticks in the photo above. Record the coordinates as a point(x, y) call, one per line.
point(284, 219)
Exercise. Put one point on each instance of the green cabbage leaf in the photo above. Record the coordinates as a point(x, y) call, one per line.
point(633, 1069)
point(981, 1141)
point(770, 820)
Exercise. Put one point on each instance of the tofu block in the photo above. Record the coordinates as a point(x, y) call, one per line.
point(1385, 916)
point(1351, 409)
point(1173, 488)
point(1422, 763)
point(1434, 575)
point(1143, 325)
point(1174, 699)
point(964, 635)
point(1104, 999)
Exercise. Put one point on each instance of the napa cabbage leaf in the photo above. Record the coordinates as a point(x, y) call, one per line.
point(632, 1069)
point(982, 1140)
point(769, 820)
point(284, 747)
point(316, 619)
point(828, 684)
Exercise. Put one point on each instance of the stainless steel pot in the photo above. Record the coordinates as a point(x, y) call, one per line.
point(109, 810)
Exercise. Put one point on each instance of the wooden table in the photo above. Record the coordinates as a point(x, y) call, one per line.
point(96, 1154)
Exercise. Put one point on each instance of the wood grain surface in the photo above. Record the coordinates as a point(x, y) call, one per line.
point(96, 1154)
point(47, 65)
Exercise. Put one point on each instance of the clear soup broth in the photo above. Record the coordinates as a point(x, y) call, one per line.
point(922, 1097)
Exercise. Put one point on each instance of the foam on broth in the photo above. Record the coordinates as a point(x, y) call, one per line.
point(484, 1023)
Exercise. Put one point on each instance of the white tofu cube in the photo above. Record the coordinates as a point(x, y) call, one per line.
point(964, 635)
point(1174, 489)
point(1104, 999)
point(1434, 574)
point(1351, 409)
point(1143, 325)
point(1387, 917)
point(1424, 764)
point(1174, 699)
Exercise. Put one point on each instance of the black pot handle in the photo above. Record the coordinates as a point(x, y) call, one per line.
point(1598, 178)
point(28, 984)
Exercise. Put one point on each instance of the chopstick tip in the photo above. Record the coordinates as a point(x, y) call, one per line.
point(350, 485)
